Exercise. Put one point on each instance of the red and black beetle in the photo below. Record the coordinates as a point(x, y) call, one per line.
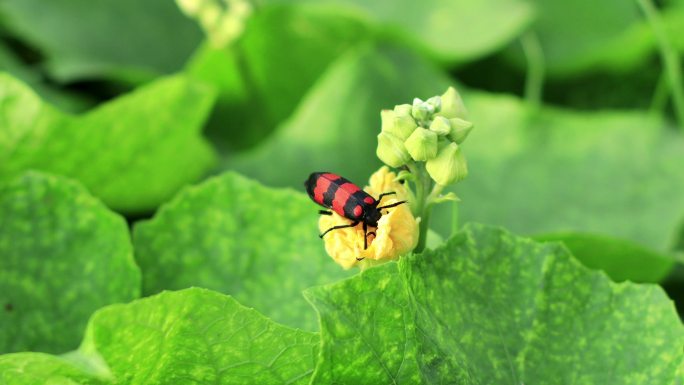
point(346, 199)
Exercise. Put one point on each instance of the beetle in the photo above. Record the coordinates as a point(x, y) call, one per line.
point(346, 199)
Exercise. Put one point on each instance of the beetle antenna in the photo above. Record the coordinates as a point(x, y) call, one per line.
point(392, 205)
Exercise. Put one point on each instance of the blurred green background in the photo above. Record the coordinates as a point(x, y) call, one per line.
point(578, 106)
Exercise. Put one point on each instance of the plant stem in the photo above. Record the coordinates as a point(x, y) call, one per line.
point(534, 81)
point(424, 225)
point(423, 183)
point(669, 57)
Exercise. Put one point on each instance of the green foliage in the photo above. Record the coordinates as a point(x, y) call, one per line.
point(445, 28)
point(612, 173)
point(199, 336)
point(193, 336)
point(233, 235)
point(84, 94)
point(133, 152)
point(63, 256)
point(262, 77)
point(620, 259)
point(126, 39)
point(40, 368)
point(335, 126)
point(488, 307)
point(9, 62)
point(606, 35)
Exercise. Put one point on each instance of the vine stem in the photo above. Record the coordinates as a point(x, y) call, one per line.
point(669, 57)
point(534, 80)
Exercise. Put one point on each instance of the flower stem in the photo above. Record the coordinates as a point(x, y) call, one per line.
point(424, 225)
point(423, 205)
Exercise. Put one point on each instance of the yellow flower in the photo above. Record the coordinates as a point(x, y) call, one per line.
point(396, 234)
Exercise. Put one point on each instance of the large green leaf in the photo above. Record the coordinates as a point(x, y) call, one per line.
point(584, 35)
point(491, 308)
point(612, 173)
point(264, 75)
point(85, 39)
point(192, 336)
point(41, 368)
point(235, 236)
point(198, 336)
point(336, 125)
point(619, 258)
point(450, 30)
point(133, 152)
point(63, 255)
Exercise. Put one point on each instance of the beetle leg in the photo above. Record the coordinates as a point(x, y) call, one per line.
point(338, 227)
point(325, 212)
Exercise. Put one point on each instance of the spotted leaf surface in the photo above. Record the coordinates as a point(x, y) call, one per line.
point(488, 308)
point(198, 336)
point(63, 255)
point(236, 236)
point(132, 152)
point(41, 368)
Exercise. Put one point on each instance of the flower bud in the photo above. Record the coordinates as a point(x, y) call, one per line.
point(391, 150)
point(404, 127)
point(459, 129)
point(422, 111)
point(422, 144)
point(403, 109)
point(387, 119)
point(449, 166)
point(435, 102)
point(440, 126)
point(401, 126)
point(452, 105)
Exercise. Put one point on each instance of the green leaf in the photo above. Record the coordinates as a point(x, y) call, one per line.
point(449, 30)
point(336, 125)
point(41, 368)
point(233, 235)
point(619, 258)
point(609, 35)
point(491, 308)
point(63, 255)
point(190, 336)
point(133, 152)
point(611, 173)
point(62, 99)
point(263, 76)
point(198, 336)
point(86, 39)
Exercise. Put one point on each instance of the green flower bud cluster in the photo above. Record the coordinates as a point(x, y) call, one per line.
point(428, 131)
point(222, 20)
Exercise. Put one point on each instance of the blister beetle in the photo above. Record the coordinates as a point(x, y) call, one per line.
point(346, 199)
